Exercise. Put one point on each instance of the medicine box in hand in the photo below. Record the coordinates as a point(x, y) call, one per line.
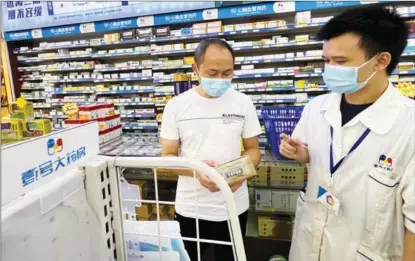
point(237, 170)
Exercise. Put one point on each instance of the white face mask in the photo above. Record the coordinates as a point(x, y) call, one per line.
point(343, 79)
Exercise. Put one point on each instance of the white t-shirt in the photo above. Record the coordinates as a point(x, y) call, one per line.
point(209, 129)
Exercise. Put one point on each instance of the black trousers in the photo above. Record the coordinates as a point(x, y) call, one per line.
point(209, 230)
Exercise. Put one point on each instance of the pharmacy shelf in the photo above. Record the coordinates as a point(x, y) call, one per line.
point(94, 80)
point(113, 55)
point(41, 106)
point(147, 90)
point(163, 93)
point(139, 127)
point(173, 52)
point(28, 79)
point(54, 117)
point(268, 89)
point(284, 89)
point(238, 33)
point(270, 75)
point(45, 49)
point(403, 72)
point(268, 101)
point(117, 69)
point(68, 69)
point(59, 91)
point(123, 42)
point(35, 98)
point(32, 89)
point(55, 58)
point(159, 68)
point(38, 69)
point(134, 103)
point(65, 102)
point(282, 60)
point(138, 115)
point(407, 53)
point(409, 15)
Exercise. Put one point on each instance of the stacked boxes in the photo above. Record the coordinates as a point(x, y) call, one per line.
point(283, 175)
point(288, 175)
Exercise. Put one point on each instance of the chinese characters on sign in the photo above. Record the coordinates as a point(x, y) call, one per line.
point(178, 18)
point(248, 10)
point(63, 30)
point(20, 9)
point(47, 168)
point(118, 24)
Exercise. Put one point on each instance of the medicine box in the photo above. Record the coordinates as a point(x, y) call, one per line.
point(287, 175)
point(163, 31)
point(229, 28)
point(128, 35)
point(280, 200)
point(199, 26)
point(262, 177)
point(263, 200)
point(280, 227)
point(214, 24)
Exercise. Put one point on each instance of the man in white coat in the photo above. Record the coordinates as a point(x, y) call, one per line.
point(359, 144)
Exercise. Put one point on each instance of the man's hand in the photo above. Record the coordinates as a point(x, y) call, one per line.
point(205, 181)
point(293, 149)
point(237, 185)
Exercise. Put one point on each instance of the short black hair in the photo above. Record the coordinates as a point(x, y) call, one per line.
point(381, 30)
point(203, 46)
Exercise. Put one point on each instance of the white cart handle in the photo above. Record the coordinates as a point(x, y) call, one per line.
point(184, 163)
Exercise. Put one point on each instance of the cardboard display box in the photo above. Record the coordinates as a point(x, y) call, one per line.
point(280, 227)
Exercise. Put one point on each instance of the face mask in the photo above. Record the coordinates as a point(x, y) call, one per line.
point(343, 79)
point(215, 87)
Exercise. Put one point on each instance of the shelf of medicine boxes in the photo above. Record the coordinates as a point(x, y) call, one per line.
point(166, 39)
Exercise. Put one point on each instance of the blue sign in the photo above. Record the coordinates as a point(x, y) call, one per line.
point(19, 35)
point(112, 25)
point(21, 15)
point(61, 31)
point(311, 5)
point(177, 18)
point(246, 10)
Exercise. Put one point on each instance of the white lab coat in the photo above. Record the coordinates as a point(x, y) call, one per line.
point(375, 184)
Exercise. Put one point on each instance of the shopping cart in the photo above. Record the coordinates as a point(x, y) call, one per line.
point(103, 176)
point(278, 120)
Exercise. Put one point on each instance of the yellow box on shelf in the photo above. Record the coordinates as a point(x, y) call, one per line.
point(276, 227)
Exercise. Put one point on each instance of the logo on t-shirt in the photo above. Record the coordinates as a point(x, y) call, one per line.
point(232, 118)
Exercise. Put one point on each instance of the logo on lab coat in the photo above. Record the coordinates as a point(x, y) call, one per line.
point(384, 163)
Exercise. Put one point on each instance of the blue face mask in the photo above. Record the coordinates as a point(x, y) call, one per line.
point(215, 87)
point(343, 79)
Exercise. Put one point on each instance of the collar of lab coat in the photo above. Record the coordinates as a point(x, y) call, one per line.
point(379, 117)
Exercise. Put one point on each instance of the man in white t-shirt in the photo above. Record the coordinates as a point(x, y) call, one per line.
point(207, 123)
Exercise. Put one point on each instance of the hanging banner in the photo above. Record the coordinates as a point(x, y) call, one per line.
point(22, 15)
